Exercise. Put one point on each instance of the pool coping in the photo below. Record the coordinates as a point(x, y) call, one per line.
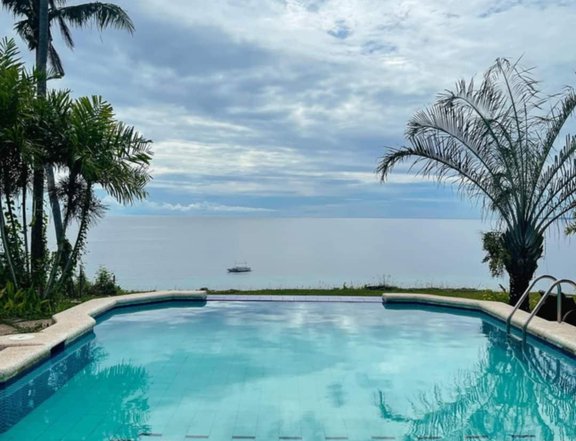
point(21, 355)
point(293, 298)
point(559, 335)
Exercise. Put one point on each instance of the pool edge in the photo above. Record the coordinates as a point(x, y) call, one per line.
point(19, 356)
point(560, 335)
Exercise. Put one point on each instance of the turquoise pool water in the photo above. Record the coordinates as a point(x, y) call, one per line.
point(294, 371)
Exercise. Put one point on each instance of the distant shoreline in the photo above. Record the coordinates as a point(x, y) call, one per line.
point(373, 290)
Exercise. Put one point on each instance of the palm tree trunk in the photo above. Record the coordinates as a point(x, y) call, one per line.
point(520, 276)
point(72, 256)
point(41, 64)
point(13, 229)
point(9, 209)
point(37, 246)
point(524, 246)
point(37, 250)
point(42, 48)
point(518, 284)
point(55, 204)
point(25, 229)
point(6, 246)
point(81, 236)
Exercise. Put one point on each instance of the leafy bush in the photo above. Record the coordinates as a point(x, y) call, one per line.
point(104, 284)
point(22, 303)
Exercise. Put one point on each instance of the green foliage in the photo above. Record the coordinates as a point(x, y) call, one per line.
point(496, 254)
point(104, 284)
point(90, 148)
point(22, 303)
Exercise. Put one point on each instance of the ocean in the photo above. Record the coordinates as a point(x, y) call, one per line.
point(148, 253)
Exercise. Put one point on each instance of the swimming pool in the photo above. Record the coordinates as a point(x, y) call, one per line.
point(294, 371)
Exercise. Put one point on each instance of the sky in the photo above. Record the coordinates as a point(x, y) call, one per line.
point(284, 107)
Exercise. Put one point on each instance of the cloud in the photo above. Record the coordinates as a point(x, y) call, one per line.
point(206, 207)
point(286, 105)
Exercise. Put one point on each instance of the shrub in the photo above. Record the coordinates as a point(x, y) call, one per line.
point(22, 303)
point(104, 284)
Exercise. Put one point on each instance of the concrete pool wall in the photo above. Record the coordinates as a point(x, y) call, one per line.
point(24, 351)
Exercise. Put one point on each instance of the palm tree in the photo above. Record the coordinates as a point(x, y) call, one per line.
point(492, 139)
point(103, 15)
point(94, 152)
point(35, 29)
point(17, 92)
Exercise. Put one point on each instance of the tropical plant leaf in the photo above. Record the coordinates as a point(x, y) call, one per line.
point(493, 140)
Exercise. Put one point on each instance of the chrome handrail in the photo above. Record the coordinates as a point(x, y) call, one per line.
point(542, 300)
point(523, 297)
point(567, 314)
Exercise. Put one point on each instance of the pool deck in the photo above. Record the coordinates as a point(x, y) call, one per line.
point(23, 351)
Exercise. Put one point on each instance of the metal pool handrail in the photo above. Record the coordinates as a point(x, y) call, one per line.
point(557, 283)
point(524, 295)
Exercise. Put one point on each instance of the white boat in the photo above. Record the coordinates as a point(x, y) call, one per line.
point(242, 268)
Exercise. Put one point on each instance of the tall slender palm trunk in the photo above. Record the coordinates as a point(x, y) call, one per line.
point(42, 48)
point(4, 240)
point(37, 246)
point(54, 204)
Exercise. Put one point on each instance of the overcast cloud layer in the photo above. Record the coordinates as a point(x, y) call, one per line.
point(283, 107)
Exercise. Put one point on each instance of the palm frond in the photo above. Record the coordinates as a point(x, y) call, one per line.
point(26, 33)
point(65, 32)
point(103, 15)
point(438, 159)
point(55, 61)
point(556, 119)
point(553, 125)
point(17, 7)
point(554, 180)
point(109, 153)
point(491, 139)
point(461, 131)
point(9, 55)
point(484, 110)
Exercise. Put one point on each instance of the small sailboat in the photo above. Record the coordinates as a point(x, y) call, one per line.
point(240, 268)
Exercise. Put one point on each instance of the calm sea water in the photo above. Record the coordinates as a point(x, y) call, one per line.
point(189, 253)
